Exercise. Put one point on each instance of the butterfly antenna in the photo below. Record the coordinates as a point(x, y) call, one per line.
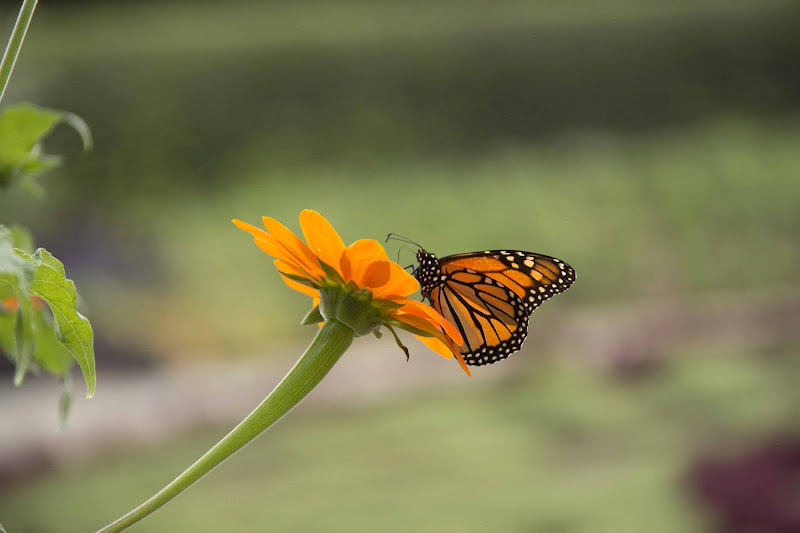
point(396, 237)
point(403, 247)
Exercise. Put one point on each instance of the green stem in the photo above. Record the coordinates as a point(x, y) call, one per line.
point(15, 43)
point(326, 348)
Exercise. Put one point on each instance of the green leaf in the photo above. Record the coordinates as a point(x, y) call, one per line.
point(22, 129)
point(72, 328)
point(50, 353)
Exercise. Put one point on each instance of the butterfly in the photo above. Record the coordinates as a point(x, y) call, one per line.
point(490, 295)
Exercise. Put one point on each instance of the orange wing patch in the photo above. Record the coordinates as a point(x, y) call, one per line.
point(519, 277)
point(481, 263)
point(508, 282)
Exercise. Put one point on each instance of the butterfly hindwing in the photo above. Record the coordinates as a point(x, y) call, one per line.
point(493, 328)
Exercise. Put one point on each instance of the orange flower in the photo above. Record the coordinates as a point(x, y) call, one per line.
point(11, 304)
point(323, 267)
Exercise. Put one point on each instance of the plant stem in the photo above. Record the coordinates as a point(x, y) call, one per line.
point(15, 43)
point(327, 347)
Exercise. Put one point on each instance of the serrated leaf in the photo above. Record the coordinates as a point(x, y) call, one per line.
point(72, 328)
point(22, 129)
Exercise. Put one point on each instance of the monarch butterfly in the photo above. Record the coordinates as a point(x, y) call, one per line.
point(489, 295)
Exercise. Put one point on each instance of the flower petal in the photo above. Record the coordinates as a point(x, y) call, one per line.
point(358, 256)
point(294, 245)
point(400, 283)
point(285, 267)
point(9, 304)
point(420, 309)
point(377, 275)
point(299, 287)
point(273, 247)
point(322, 239)
point(436, 345)
point(258, 233)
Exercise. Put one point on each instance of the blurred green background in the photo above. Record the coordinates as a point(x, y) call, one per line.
point(652, 144)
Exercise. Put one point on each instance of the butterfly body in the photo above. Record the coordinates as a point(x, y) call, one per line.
point(490, 295)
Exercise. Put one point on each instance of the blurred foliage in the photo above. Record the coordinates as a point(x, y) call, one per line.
point(22, 129)
point(40, 327)
point(191, 89)
point(560, 448)
point(676, 212)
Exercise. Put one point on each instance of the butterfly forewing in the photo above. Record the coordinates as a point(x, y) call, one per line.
point(533, 277)
point(490, 295)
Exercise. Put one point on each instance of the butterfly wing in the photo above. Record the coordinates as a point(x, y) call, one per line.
point(491, 319)
point(535, 278)
point(490, 295)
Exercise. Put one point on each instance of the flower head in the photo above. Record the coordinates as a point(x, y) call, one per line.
point(357, 284)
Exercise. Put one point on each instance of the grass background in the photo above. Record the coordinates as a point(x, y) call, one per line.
point(556, 449)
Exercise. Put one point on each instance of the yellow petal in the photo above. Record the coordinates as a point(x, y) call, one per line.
point(299, 287)
point(294, 246)
point(400, 283)
point(322, 239)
